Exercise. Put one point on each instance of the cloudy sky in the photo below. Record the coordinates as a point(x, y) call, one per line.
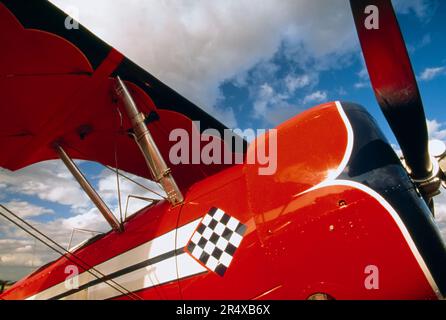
point(251, 64)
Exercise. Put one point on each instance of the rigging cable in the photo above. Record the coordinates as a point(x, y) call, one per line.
point(117, 170)
point(68, 255)
point(127, 177)
point(137, 183)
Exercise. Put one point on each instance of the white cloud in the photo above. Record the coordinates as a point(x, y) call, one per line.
point(431, 73)
point(297, 82)
point(425, 41)
point(91, 219)
point(436, 129)
point(18, 252)
point(20, 259)
point(49, 180)
point(107, 188)
point(341, 91)
point(194, 46)
point(363, 74)
point(272, 107)
point(27, 248)
point(361, 85)
point(315, 97)
point(265, 95)
point(26, 210)
point(422, 8)
point(18, 249)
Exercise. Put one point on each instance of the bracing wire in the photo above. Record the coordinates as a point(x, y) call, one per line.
point(126, 177)
point(117, 170)
point(137, 183)
point(68, 255)
point(118, 187)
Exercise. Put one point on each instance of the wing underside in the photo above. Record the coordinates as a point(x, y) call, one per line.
point(58, 86)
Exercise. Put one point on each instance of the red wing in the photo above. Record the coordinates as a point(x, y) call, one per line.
point(57, 85)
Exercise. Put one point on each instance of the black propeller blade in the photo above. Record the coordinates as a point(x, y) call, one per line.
point(393, 81)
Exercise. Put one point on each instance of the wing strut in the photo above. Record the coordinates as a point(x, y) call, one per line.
point(158, 167)
point(89, 190)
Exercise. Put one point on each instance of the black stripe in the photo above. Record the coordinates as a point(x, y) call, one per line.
point(121, 272)
point(165, 97)
point(374, 163)
point(42, 15)
point(162, 283)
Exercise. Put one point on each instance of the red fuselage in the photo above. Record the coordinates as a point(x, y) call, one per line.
point(333, 210)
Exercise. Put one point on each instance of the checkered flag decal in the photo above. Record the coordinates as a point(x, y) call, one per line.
point(216, 239)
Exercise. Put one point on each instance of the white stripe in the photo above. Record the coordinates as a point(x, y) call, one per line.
point(150, 276)
point(163, 244)
point(187, 266)
point(184, 233)
point(331, 181)
point(398, 222)
point(159, 273)
point(334, 174)
point(350, 141)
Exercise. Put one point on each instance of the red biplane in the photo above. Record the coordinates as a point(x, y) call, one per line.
point(340, 203)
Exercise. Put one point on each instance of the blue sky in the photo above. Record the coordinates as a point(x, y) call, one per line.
point(251, 66)
point(424, 36)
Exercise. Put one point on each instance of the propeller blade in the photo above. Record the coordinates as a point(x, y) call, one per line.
point(393, 81)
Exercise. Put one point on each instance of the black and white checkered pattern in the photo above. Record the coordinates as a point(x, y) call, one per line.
point(216, 239)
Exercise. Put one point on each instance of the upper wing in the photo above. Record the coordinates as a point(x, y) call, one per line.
point(57, 85)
